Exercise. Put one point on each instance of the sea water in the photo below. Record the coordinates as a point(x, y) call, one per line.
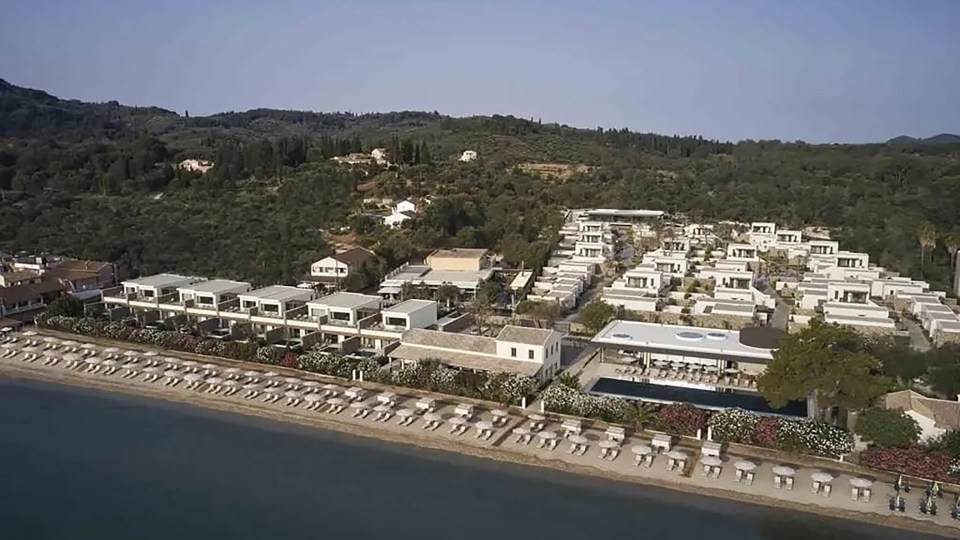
point(78, 464)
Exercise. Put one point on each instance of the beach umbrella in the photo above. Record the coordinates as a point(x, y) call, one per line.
point(214, 380)
point(7, 345)
point(608, 444)
point(677, 454)
point(355, 405)
point(232, 371)
point(50, 353)
point(270, 374)
point(331, 387)
point(293, 394)
point(172, 373)
point(109, 363)
point(189, 363)
point(151, 369)
point(379, 408)
point(312, 398)
point(88, 346)
point(150, 354)
point(93, 360)
point(336, 401)
point(193, 377)
point(745, 465)
point(31, 350)
point(29, 333)
point(72, 357)
point(641, 449)
point(111, 350)
point(131, 354)
point(209, 366)
point(231, 382)
point(712, 461)
point(783, 470)
point(131, 365)
point(405, 413)
point(69, 343)
point(292, 380)
point(536, 417)
point(498, 413)
point(575, 439)
point(821, 477)
point(251, 373)
point(310, 384)
point(50, 339)
point(434, 417)
point(172, 361)
point(861, 483)
point(548, 435)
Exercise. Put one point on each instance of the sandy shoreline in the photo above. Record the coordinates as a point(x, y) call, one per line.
point(498, 450)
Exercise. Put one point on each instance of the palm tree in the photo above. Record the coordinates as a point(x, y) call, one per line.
point(643, 415)
point(927, 236)
point(951, 242)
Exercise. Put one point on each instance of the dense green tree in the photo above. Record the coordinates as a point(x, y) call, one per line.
point(596, 314)
point(66, 305)
point(888, 427)
point(545, 314)
point(826, 361)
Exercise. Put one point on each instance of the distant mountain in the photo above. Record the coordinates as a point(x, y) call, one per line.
point(943, 138)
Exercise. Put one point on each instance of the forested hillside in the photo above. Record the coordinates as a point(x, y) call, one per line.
point(98, 180)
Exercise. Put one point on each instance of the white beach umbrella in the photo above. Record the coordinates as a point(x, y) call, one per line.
point(214, 380)
point(173, 374)
point(111, 350)
point(7, 345)
point(861, 483)
point(432, 417)
point(131, 354)
point(293, 394)
point(51, 339)
point(189, 363)
point(821, 477)
point(499, 413)
point(548, 435)
point(677, 454)
point(193, 377)
point(712, 461)
point(232, 371)
point(310, 384)
point(109, 363)
point(292, 380)
point(313, 398)
point(209, 366)
point(641, 449)
point(379, 408)
point(72, 357)
point(31, 350)
point(231, 382)
point(131, 365)
point(93, 360)
point(251, 373)
point(536, 417)
point(69, 343)
point(150, 354)
point(517, 430)
point(608, 444)
point(29, 333)
point(355, 405)
point(151, 369)
point(783, 470)
point(405, 413)
point(745, 465)
point(575, 439)
point(336, 401)
point(270, 374)
point(88, 346)
point(50, 353)
point(172, 361)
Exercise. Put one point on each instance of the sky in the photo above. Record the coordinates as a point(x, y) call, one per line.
point(817, 70)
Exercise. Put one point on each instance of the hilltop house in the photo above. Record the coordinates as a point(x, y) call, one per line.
point(345, 269)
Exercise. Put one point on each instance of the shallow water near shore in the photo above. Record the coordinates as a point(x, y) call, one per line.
point(77, 463)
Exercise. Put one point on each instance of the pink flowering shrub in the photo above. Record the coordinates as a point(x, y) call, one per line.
point(680, 419)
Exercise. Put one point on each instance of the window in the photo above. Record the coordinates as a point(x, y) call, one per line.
point(530, 354)
point(513, 352)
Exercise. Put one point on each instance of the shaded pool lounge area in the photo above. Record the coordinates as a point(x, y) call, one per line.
point(707, 399)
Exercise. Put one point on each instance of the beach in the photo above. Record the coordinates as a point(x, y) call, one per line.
point(502, 447)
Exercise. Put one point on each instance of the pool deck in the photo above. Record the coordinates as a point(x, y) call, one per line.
point(503, 446)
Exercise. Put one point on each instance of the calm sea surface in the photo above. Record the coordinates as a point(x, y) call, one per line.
point(78, 464)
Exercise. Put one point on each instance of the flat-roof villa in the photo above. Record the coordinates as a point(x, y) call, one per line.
point(710, 367)
point(532, 352)
point(466, 269)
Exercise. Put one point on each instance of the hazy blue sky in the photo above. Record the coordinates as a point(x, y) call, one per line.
point(820, 70)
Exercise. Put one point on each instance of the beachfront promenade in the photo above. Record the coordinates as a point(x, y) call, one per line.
point(469, 427)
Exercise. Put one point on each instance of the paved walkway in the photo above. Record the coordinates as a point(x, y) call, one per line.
point(918, 340)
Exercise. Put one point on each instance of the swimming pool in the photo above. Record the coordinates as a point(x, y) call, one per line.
point(708, 399)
